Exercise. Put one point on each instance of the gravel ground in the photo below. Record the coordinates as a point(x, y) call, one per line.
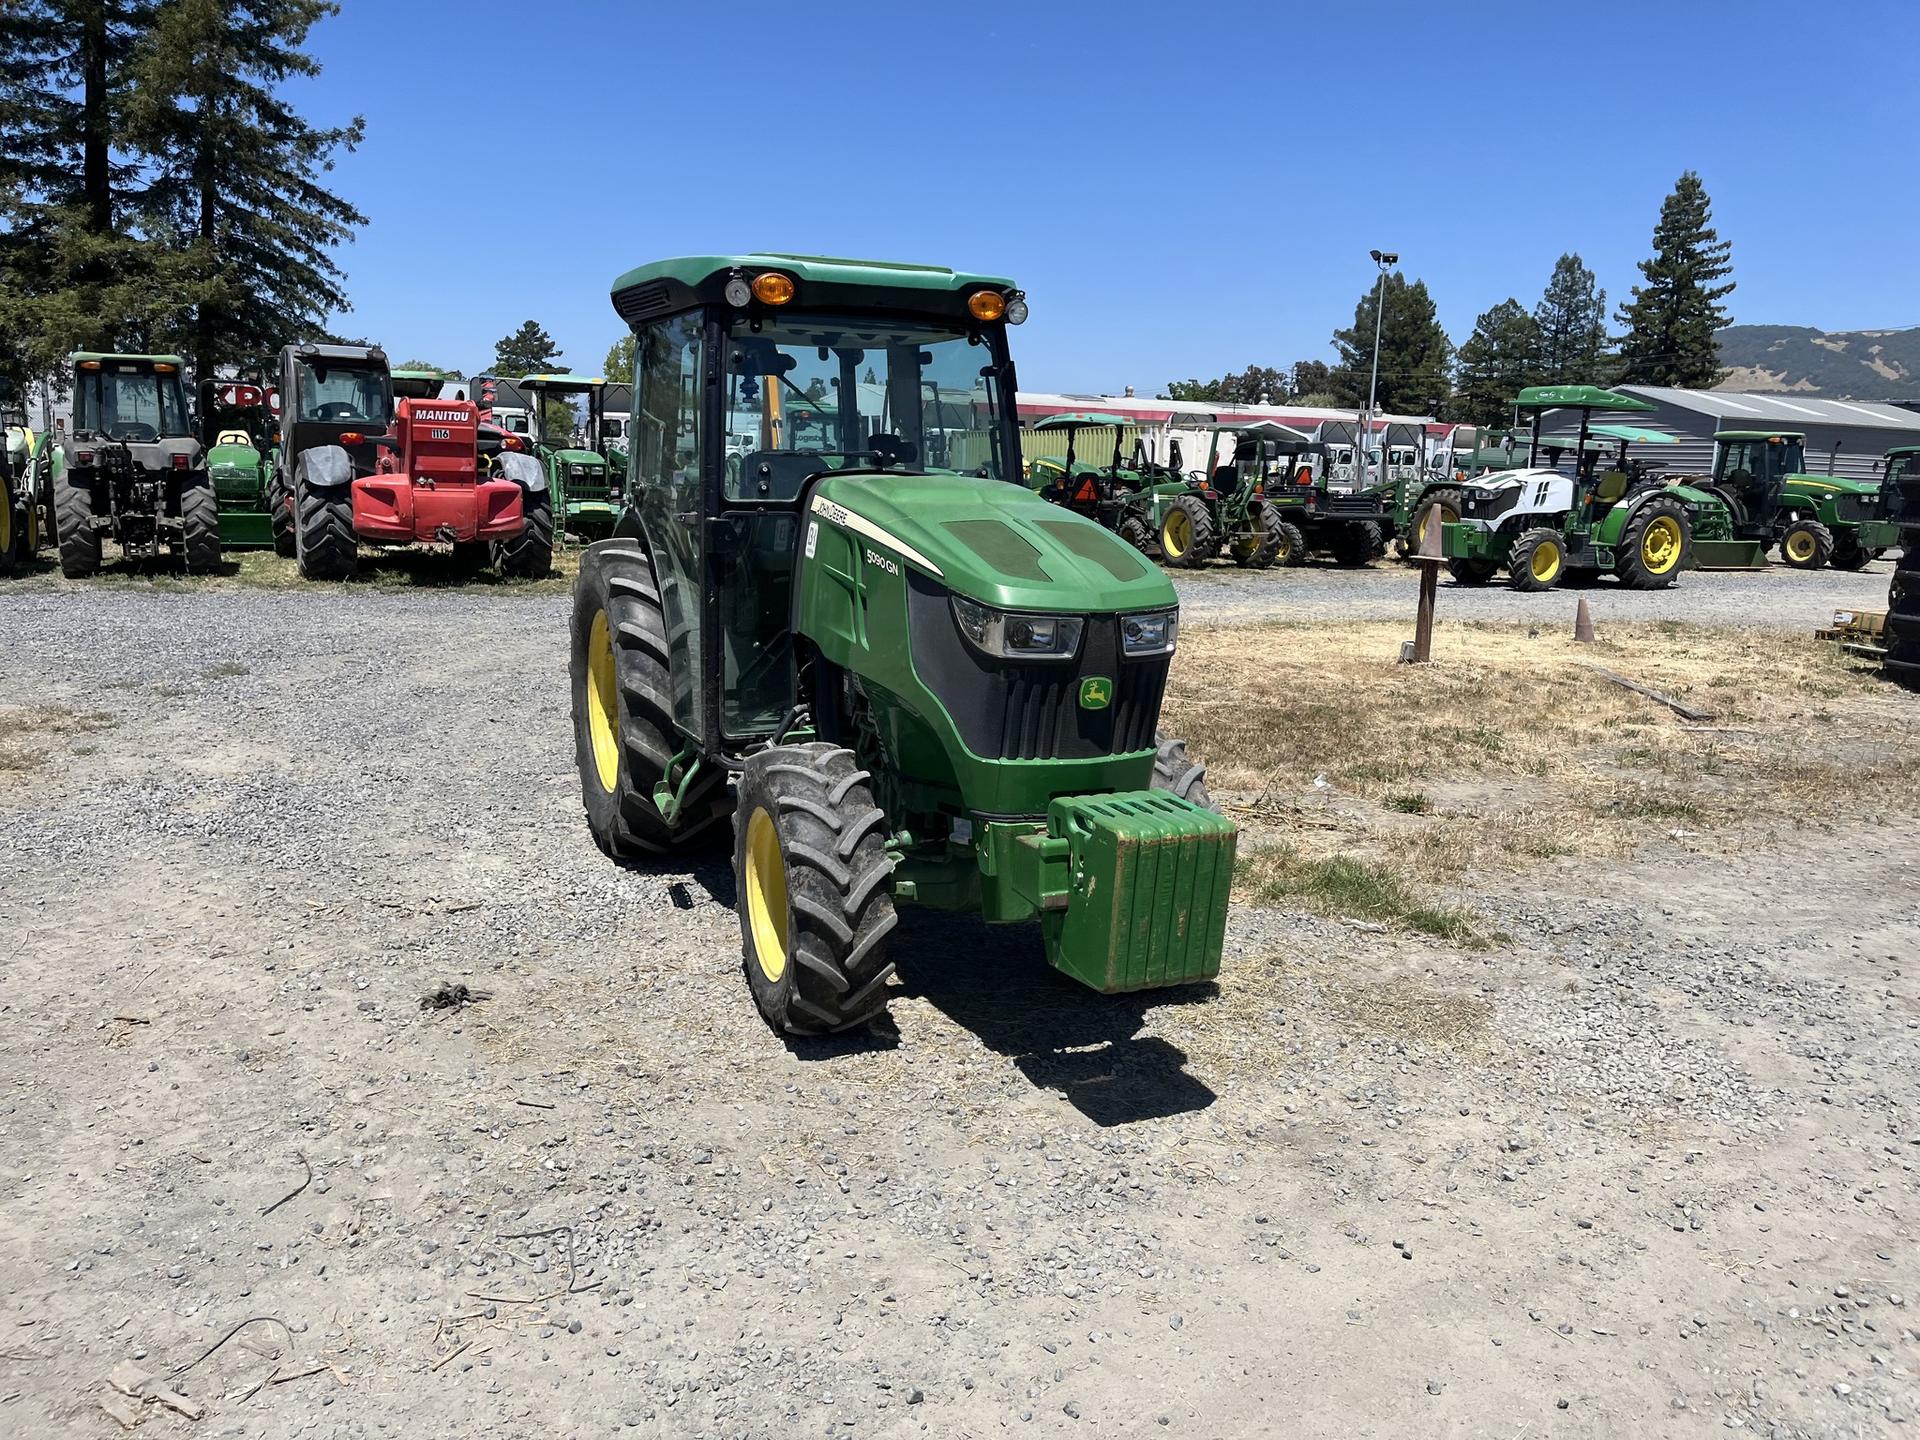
point(1647, 1167)
point(1775, 598)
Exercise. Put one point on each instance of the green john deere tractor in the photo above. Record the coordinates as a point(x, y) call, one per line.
point(582, 478)
point(1247, 527)
point(1537, 524)
point(25, 460)
point(1816, 520)
point(904, 683)
point(131, 468)
point(237, 427)
point(1118, 497)
point(1901, 485)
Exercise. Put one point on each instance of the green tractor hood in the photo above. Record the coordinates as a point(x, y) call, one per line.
point(995, 542)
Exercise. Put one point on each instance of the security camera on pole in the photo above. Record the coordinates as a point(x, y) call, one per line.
point(1386, 260)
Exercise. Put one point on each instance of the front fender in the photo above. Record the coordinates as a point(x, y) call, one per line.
point(325, 466)
point(523, 469)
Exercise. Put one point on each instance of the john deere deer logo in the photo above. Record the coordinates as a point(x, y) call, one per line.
point(1096, 693)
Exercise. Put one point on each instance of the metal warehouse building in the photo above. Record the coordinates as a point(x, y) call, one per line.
point(1844, 437)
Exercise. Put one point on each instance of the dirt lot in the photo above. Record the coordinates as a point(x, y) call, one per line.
point(1608, 1128)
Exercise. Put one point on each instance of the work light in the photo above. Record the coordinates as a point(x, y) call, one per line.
point(737, 294)
point(1017, 637)
point(1017, 309)
point(1151, 634)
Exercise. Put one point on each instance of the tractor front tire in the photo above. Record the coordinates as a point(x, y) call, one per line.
point(528, 555)
point(1186, 533)
point(200, 529)
point(1176, 772)
point(324, 542)
point(1445, 505)
point(1537, 561)
point(14, 547)
point(812, 872)
point(1655, 547)
point(1137, 533)
point(1807, 545)
point(280, 516)
point(623, 711)
point(1293, 546)
point(1355, 543)
point(1259, 546)
point(1849, 553)
point(73, 525)
point(1472, 572)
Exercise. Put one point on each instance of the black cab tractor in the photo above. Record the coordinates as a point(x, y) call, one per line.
point(904, 683)
point(1816, 520)
point(1900, 484)
point(131, 468)
point(1320, 495)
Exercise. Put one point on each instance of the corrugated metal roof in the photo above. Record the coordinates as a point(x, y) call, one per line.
point(1789, 411)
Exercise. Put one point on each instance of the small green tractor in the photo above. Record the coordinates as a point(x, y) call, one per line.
point(904, 683)
point(131, 468)
point(1247, 526)
point(237, 428)
point(1816, 520)
point(25, 461)
point(583, 479)
point(1117, 497)
point(1901, 485)
point(1537, 524)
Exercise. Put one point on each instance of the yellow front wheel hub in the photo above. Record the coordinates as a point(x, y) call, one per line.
point(1546, 561)
point(603, 705)
point(1660, 545)
point(1800, 545)
point(765, 884)
point(1433, 513)
point(1176, 534)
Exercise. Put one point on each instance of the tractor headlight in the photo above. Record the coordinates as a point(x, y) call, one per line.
point(1017, 309)
point(1153, 634)
point(1008, 636)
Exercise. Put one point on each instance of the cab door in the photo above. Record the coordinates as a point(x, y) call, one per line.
point(668, 477)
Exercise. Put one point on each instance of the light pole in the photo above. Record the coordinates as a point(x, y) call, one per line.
point(1386, 260)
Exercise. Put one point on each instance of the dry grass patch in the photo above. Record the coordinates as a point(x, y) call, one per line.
point(1511, 750)
point(27, 733)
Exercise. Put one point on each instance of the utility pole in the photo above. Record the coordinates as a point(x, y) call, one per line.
point(1386, 260)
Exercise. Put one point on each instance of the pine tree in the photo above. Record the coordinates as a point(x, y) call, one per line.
point(236, 183)
point(619, 363)
point(527, 351)
point(1415, 354)
point(1571, 319)
point(1671, 321)
point(1500, 359)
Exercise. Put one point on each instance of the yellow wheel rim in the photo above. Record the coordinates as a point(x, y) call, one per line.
point(766, 887)
point(1660, 545)
point(1445, 516)
point(1800, 545)
point(1546, 560)
point(1176, 534)
point(603, 705)
point(1248, 545)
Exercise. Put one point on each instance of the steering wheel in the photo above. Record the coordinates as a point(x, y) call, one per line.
point(336, 410)
point(135, 431)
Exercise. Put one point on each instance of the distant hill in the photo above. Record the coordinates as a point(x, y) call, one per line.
point(1839, 364)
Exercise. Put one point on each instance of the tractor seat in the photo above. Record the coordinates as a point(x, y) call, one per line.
point(1612, 487)
point(233, 437)
point(1226, 479)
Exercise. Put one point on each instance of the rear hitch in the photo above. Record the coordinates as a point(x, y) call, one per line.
point(445, 533)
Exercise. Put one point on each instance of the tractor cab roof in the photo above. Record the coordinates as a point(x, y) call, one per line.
point(1082, 420)
point(1577, 397)
point(1261, 430)
point(440, 375)
point(1605, 435)
point(562, 384)
point(665, 287)
point(1778, 435)
point(92, 358)
point(1902, 450)
point(364, 354)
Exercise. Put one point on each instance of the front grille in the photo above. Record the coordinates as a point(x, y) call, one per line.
point(1030, 709)
point(1856, 509)
point(1353, 506)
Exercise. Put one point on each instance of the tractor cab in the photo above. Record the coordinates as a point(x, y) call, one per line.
point(335, 395)
point(582, 477)
point(1750, 470)
point(1815, 519)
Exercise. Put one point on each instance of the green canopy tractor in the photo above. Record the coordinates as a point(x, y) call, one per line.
point(1539, 523)
point(582, 478)
point(131, 468)
point(1816, 520)
point(1249, 528)
point(905, 683)
point(1119, 497)
point(1901, 485)
point(237, 427)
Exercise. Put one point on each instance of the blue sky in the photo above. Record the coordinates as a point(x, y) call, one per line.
point(1182, 190)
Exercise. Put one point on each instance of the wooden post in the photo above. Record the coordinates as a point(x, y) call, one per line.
point(1429, 559)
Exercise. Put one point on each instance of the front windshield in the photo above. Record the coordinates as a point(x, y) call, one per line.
point(343, 393)
point(130, 402)
point(856, 393)
point(1792, 457)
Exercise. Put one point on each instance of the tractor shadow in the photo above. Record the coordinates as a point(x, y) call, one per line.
point(994, 981)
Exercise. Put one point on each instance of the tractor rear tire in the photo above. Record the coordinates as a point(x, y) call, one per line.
point(623, 711)
point(1472, 572)
point(1806, 545)
point(73, 525)
point(324, 542)
point(1176, 772)
point(1448, 502)
point(1137, 533)
point(14, 548)
point(1259, 547)
point(1655, 547)
point(1849, 553)
point(199, 529)
point(811, 868)
point(528, 555)
point(1537, 561)
point(1187, 536)
point(280, 516)
point(1293, 546)
point(1355, 543)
